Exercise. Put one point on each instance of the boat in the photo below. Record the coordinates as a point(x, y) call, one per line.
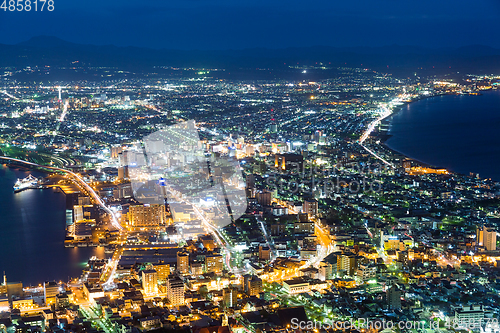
point(26, 183)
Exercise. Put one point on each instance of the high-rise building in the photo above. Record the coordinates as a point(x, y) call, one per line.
point(50, 290)
point(289, 162)
point(250, 181)
point(264, 253)
point(150, 281)
point(116, 151)
point(229, 297)
point(393, 297)
point(327, 270)
point(183, 262)
point(163, 270)
point(319, 136)
point(487, 237)
point(213, 263)
point(310, 207)
point(123, 173)
point(175, 291)
point(347, 263)
point(146, 217)
point(252, 285)
point(264, 198)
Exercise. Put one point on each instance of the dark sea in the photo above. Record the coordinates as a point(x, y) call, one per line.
point(32, 231)
point(460, 133)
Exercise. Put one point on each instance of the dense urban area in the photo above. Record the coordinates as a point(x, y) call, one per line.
point(279, 209)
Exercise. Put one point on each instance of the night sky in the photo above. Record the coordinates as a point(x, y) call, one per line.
point(224, 24)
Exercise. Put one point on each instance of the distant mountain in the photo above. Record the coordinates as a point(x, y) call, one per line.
point(52, 51)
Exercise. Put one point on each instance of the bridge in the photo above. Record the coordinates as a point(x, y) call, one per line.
point(75, 178)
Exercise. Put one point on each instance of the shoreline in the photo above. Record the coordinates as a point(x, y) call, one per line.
point(55, 189)
point(384, 135)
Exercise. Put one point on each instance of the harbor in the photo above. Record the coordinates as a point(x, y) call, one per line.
point(30, 182)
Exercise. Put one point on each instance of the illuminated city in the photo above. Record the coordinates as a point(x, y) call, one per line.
point(241, 198)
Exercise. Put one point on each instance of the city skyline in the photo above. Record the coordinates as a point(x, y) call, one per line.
point(212, 166)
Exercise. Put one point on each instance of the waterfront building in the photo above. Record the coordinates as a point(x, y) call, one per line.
point(50, 290)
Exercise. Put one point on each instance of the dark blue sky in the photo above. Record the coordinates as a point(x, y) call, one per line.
point(222, 24)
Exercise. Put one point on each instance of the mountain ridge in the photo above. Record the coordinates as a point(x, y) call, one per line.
point(53, 51)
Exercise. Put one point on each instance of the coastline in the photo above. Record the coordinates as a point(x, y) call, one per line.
point(454, 164)
point(384, 134)
point(31, 223)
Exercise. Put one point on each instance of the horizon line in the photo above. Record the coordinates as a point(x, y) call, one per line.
point(35, 37)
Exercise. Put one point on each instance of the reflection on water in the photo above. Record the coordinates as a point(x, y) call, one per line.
point(32, 231)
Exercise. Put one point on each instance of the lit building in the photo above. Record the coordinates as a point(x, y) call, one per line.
point(123, 173)
point(183, 262)
point(116, 151)
point(213, 263)
point(327, 271)
point(4, 303)
point(163, 271)
point(304, 227)
point(208, 242)
point(487, 238)
point(229, 297)
point(150, 281)
point(264, 253)
point(403, 257)
point(91, 292)
point(146, 217)
point(469, 314)
point(252, 285)
point(175, 291)
point(21, 303)
point(264, 198)
point(196, 268)
point(296, 286)
point(347, 263)
point(50, 290)
point(290, 162)
point(310, 207)
point(366, 273)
